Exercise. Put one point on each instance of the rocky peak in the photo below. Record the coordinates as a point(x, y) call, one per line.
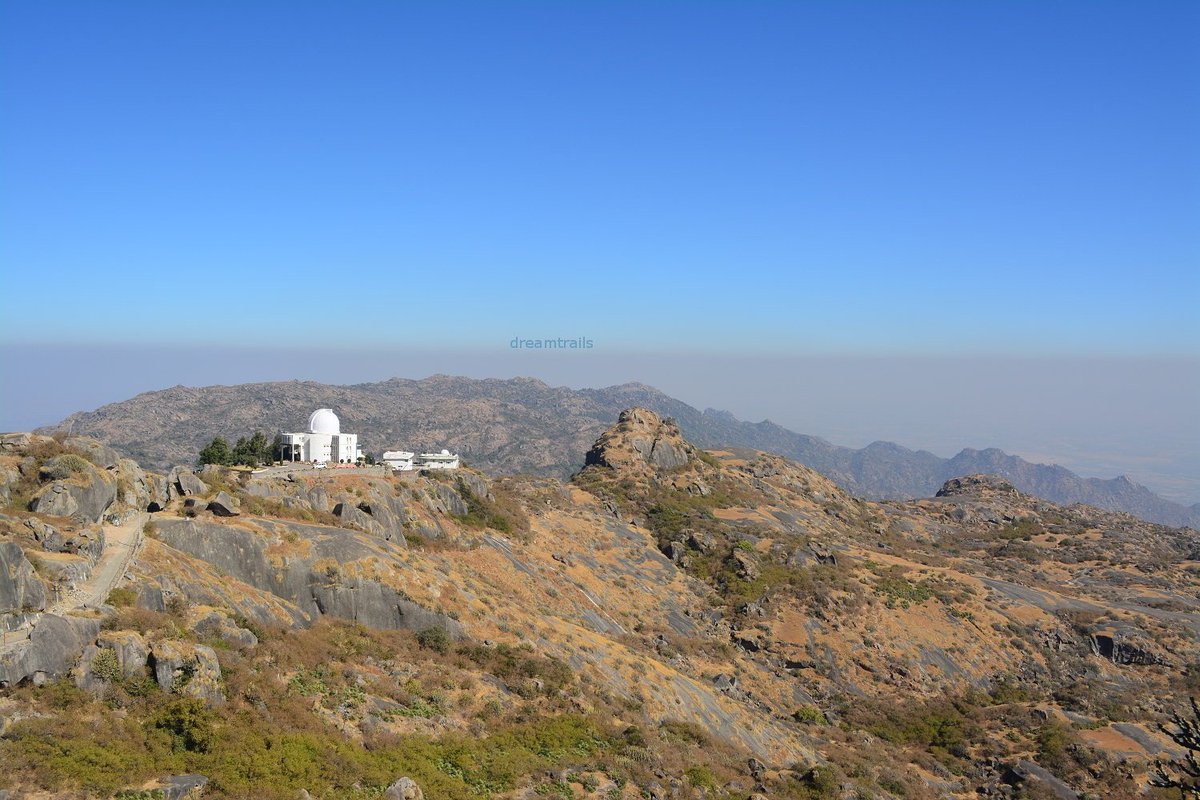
point(977, 485)
point(641, 439)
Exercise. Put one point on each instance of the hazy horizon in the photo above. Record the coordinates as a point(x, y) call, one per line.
point(1047, 410)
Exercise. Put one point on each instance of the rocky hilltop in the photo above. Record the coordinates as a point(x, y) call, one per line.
point(672, 622)
point(524, 426)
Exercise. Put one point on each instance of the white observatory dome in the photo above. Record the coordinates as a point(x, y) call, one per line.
point(323, 420)
point(445, 452)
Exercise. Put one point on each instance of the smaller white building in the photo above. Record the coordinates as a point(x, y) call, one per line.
point(322, 442)
point(398, 460)
point(442, 460)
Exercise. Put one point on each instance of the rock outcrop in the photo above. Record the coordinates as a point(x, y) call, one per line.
point(84, 496)
point(315, 583)
point(185, 483)
point(20, 587)
point(223, 505)
point(404, 789)
point(188, 670)
point(54, 645)
point(640, 439)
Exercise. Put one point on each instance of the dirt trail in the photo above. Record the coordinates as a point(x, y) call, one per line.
point(121, 542)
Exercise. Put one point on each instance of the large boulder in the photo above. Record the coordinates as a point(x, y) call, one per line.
point(188, 670)
point(88, 542)
point(140, 487)
point(9, 476)
point(447, 500)
point(185, 482)
point(95, 451)
point(215, 625)
point(20, 587)
point(319, 498)
point(404, 789)
point(84, 496)
point(16, 442)
point(351, 514)
point(223, 505)
point(53, 647)
point(130, 648)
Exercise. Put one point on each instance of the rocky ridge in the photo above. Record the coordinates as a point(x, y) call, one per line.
point(525, 426)
point(668, 607)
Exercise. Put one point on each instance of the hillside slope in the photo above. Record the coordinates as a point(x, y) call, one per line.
point(522, 425)
point(672, 622)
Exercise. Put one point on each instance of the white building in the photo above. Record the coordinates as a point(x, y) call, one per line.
point(324, 441)
point(442, 460)
point(399, 460)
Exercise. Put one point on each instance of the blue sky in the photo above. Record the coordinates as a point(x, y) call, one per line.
point(945, 224)
point(815, 177)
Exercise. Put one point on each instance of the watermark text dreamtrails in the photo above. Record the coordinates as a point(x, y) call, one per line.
point(580, 343)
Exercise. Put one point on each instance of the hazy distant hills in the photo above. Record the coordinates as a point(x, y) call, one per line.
point(524, 425)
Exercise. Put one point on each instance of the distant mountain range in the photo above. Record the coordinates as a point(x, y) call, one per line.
point(524, 425)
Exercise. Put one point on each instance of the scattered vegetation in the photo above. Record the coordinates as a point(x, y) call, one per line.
point(500, 512)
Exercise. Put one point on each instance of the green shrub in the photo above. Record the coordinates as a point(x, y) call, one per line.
point(809, 715)
point(701, 777)
point(435, 639)
point(106, 667)
point(122, 597)
point(64, 466)
point(189, 723)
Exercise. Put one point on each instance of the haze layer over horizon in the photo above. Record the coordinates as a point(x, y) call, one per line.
point(1049, 410)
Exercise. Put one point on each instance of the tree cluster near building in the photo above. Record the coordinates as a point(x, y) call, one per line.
point(251, 452)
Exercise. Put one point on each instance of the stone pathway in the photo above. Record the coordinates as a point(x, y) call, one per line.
point(121, 543)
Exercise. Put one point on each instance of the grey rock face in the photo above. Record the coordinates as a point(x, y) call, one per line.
point(83, 497)
point(319, 498)
point(476, 485)
point(241, 553)
point(130, 648)
point(48, 536)
point(448, 501)
point(676, 551)
point(142, 488)
point(55, 500)
point(183, 787)
point(353, 515)
point(746, 565)
point(1126, 646)
point(218, 625)
point(8, 479)
point(159, 492)
point(188, 670)
point(1030, 772)
point(15, 442)
point(378, 606)
point(53, 647)
point(95, 451)
point(20, 587)
point(88, 543)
